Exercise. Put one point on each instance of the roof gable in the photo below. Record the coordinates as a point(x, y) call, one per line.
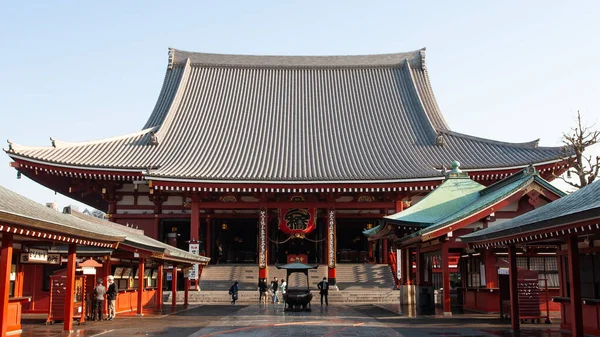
point(577, 206)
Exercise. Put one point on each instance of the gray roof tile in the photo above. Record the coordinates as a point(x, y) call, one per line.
point(29, 212)
point(292, 119)
point(33, 215)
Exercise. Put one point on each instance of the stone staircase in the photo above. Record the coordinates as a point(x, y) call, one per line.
point(357, 283)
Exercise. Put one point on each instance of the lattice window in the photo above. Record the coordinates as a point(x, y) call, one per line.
point(473, 272)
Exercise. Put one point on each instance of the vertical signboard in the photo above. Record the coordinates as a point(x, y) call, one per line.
point(193, 272)
point(262, 232)
point(399, 263)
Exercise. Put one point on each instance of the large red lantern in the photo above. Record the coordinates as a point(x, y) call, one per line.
point(297, 221)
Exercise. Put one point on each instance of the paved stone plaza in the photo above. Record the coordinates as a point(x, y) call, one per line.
point(270, 320)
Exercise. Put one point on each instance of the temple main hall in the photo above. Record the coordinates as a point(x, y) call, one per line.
point(266, 159)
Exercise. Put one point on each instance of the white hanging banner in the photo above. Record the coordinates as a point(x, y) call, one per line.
point(398, 264)
point(331, 239)
point(262, 232)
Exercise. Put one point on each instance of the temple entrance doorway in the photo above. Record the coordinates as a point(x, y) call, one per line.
point(352, 244)
point(286, 248)
point(235, 240)
point(175, 232)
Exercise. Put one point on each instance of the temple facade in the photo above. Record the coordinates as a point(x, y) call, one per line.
point(267, 159)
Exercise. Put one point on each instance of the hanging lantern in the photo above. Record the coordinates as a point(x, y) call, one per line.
point(297, 221)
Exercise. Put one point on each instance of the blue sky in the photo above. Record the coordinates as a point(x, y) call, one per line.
point(511, 70)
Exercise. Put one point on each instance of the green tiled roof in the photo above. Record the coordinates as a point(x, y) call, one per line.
point(476, 201)
point(449, 196)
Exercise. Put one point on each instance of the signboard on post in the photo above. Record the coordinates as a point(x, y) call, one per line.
point(193, 272)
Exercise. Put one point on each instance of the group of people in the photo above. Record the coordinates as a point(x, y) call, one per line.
point(100, 291)
point(273, 289)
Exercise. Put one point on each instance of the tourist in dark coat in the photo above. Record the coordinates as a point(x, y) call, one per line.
point(233, 291)
point(324, 290)
point(262, 288)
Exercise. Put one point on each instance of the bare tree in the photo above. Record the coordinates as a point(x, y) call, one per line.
point(576, 142)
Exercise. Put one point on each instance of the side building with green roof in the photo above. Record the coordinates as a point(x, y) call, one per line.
point(427, 246)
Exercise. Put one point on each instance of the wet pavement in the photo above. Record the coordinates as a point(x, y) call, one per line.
point(270, 320)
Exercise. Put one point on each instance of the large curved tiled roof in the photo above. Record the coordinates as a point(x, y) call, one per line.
point(293, 119)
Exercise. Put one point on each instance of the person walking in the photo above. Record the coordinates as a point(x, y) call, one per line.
point(274, 288)
point(233, 291)
point(262, 289)
point(99, 292)
point(324, 290)
point(111, 296)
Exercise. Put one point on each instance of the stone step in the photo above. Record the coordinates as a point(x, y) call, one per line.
point(348, 276)
point(197, 297)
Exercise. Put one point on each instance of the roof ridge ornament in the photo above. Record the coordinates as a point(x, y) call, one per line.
point(456, 172)
point(53, 141)
point(422, 54)
point(153, 139)
point(530, 170)
point(10, 146)
point(439, 140)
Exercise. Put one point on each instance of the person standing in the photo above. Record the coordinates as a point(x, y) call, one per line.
point(283, 288)
point(111, 296)
point(99, 292)
point(233, 291)
point(274, 288)
point(262, 288)
point(324, 290)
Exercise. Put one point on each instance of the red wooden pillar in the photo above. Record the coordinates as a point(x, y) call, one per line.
point(446, 279)
point(195, 221)
point(70, 288)
point(575, 287)
point(186, 282)
point(159, 287)
point(386, 251)
point(5, 265)
point(208, 238)
point(331, 247)
point(195, 232)
point(514, 293)
point(406, 266)
point(112, 210)
point(174, 287)
point(140, 295)
point(491, 271)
